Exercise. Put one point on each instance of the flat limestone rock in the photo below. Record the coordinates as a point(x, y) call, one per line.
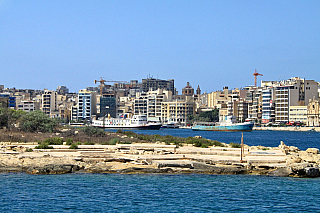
point(280, 172)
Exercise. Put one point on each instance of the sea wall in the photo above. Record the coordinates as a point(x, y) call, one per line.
point(289, 128)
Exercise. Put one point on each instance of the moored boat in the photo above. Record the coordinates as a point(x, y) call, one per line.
point(170, 126)
point(228, 125)
point(136, 122)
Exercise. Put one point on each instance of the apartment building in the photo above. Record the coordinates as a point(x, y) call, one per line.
point(150, 103)
point(154, 84)
point(239, 109)
point(219, 99)
point(49, 102)
point(268, 111)
point(254, 100)
point(177, 111)
point(298, 114)
point(11, 100)
point(108, 105)
point(27, 106)
point(87, 104)
point(298, 92)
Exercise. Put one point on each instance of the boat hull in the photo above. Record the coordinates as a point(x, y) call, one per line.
point(241, 127)
point(144, 127)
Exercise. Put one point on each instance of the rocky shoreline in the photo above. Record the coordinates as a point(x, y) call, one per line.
point(280, 161)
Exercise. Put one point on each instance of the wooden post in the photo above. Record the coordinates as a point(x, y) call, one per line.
point(242, 149)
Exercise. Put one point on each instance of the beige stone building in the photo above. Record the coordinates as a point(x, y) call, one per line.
point(219, 99)
point(298, 114)
point(177, 111)
point(313, 113)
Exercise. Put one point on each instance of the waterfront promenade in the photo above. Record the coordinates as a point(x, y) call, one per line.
point(289, 128)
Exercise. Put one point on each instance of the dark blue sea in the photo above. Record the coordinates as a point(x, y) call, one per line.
point(157, 193)
point(168, 193)
point(302, 140)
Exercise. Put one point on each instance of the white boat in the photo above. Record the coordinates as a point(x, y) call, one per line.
point(136, 122)
point(170, 126)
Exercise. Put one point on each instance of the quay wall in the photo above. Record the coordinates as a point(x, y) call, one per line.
point(289, 128)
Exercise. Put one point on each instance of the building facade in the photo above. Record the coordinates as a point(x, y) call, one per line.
point(177, 111)
point(87, 104)
point(154, 84)
point(49, 102)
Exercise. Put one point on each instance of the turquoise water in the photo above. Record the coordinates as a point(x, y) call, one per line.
point(157, 193)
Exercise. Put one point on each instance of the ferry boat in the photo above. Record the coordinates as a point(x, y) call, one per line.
point(122, 122)
point(228, 125)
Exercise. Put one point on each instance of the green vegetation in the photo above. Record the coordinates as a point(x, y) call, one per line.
point(8, 117)
point(210, 116)
point(73, 146)
point(125, 142)
point(93, 131)
point(235, 145)
point(69, 141)
point(169, 139)
point(29, 150)
point(53, 141)
point(88, 143)
point(37, 121)
point(43, 146)
point(113, 141)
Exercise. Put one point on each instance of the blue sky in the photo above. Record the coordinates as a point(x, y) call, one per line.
point(45, 44)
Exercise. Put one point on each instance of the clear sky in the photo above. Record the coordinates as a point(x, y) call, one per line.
point(45, 44)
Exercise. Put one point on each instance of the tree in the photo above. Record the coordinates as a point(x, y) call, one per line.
point(209, 116)
point(8, 117)
point(37, 121)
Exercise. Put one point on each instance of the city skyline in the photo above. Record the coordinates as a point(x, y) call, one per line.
point(211, 44)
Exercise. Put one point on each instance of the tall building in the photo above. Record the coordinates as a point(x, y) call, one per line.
point(108, 105)
point(268, 113)
point(177, 111)
point(150, 103)
point(87, 104)
point(219, 99)
point(296, 92)
point(49, 102)
point(154, 84)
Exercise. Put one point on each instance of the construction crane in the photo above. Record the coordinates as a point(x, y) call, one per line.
point(102, 85)
point(255, 74)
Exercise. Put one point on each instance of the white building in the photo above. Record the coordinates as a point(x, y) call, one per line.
point(27, 106)
point(87, 104)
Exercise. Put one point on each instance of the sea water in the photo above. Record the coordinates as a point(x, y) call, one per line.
point(169, 193)
point(157, 193)
point(302, 140)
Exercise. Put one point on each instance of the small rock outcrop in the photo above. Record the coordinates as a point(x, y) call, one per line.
point(53, 169)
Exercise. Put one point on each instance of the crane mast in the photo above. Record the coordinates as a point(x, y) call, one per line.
point(255, 74)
